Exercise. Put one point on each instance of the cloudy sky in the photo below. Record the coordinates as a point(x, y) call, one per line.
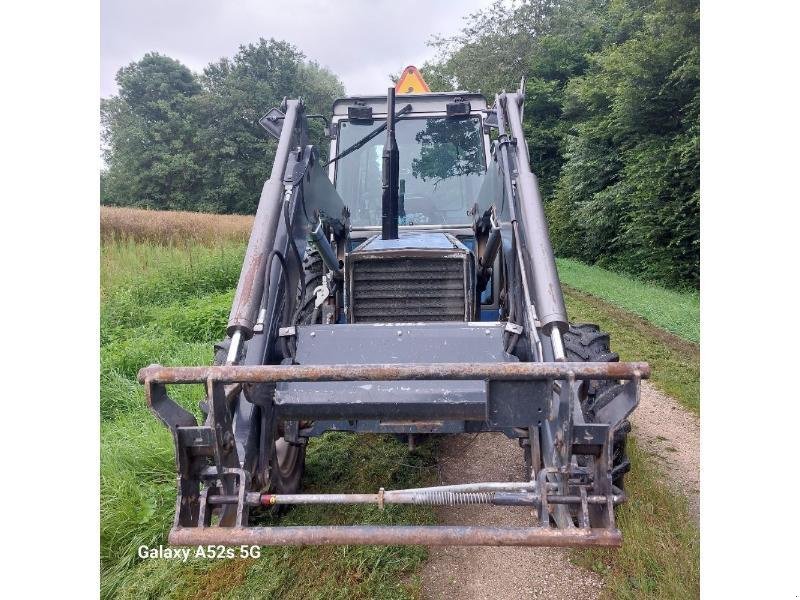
point(362, 41)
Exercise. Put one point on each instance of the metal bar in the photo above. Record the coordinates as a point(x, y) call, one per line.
point(233, 349)
point(442, 535)
point(490, 250)
point(330, 405)
point(530, 309)
point(247, 300)
point(558, 344)
point(270, 499)
point(546, 288)
point(505, 159)
point(433, 498)
point(519, 371)
point(325, 250)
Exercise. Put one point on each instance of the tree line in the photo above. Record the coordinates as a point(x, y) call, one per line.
point(612, 118)
point(176, 140)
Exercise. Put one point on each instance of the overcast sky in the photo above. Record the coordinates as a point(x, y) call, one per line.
point(362, 41)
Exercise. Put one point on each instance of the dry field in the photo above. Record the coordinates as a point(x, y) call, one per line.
point(172, 227)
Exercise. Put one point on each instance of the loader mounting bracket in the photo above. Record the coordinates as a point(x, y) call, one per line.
point(215, 492)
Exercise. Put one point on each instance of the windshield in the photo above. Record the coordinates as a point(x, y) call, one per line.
point(442, 165)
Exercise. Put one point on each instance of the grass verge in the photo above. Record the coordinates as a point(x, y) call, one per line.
point(676, 312)
point(674, 361)
point(169, 304)
point(660, 556)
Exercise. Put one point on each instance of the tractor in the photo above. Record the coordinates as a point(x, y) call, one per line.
point(406, 285)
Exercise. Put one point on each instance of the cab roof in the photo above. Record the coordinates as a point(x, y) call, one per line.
point(420, 103)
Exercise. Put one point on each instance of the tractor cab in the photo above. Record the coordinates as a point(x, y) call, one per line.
point(443, 152)
point(442, 158)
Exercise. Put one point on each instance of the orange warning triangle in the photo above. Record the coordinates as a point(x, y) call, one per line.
point(411, 82)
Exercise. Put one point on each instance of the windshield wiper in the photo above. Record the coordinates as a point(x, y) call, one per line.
point(366, 138)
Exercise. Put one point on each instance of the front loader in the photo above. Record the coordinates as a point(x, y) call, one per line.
point(405, 286)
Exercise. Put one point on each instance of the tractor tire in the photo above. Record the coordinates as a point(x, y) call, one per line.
point(585, 342)
point(289, 465)
point(287, 461)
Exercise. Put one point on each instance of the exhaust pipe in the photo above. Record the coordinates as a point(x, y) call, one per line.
point(390, 175)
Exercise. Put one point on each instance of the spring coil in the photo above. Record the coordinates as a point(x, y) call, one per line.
point(453, 498)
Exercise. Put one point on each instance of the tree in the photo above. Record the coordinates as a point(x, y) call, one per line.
point(448, 149)
point(629, 188)
point(150, 135)
point(239, 91)
point(175, 140)
point(611, 120)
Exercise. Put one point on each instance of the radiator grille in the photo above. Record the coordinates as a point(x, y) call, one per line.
point(402, 289)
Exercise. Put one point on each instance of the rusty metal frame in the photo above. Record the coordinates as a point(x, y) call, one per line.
point(436, 535)
point(209, 454)
point(519, 371)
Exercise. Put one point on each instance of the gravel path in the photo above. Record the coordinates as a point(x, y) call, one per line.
point(671, 434)
point(494, 572)
point(663, 429)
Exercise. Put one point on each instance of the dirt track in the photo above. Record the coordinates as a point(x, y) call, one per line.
point(662, 427)
point(671, 434)
point(509, 573)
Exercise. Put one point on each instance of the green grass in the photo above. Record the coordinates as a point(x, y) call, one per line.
point(675, 363)
point(676, 312)
point(169, 304)
point(335, 462)
point(660, 555)
point(152, 271)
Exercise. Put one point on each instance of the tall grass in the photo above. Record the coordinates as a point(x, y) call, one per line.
point(677, 312)
point(335, 462)
point(168, 303)
point(660, 554)
point(154, 272)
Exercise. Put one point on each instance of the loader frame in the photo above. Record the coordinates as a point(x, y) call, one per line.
point(536, 401)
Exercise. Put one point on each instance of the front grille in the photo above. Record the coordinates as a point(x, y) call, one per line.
point(408, 289)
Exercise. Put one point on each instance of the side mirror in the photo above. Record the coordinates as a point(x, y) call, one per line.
point(490, 121)
point(273, 122)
